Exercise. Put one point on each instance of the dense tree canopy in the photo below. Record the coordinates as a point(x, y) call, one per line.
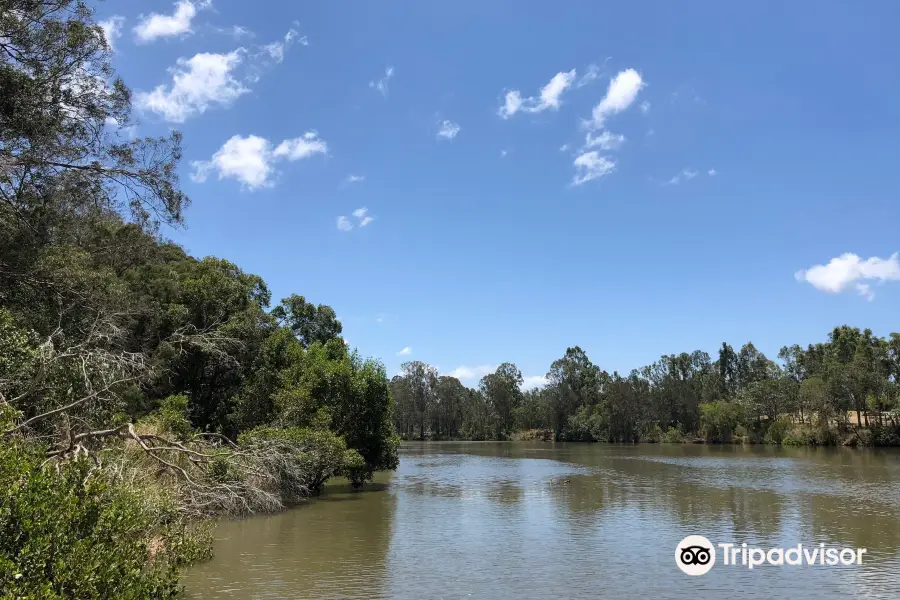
point(138, 383)
point(842, 390)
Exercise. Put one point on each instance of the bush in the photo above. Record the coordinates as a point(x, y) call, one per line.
point(77, 534)
point(652, 435)
point(719, 419)
point(778, 430)
point(303, 459)
point(584, 426)
point(673, 436)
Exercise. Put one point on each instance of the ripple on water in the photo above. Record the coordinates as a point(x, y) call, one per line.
point(511, 522)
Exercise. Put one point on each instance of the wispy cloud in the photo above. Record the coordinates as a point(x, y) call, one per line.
point(605, 141)
point(712, 173)
point(590, 166)
point(645, 107)
point(406, 351)
point(684, 175)
point(503, 153)
point(205, 80)
point(155, 25)
point(351, 179)
point(236, 31)
point(382, 84)
point(344, 224)
point(621, 93)
point(550, 97)
point(112, 30)
point(448, 129)
point(530, 382)
point(251, 160)
point(364, 218)
point(592, 73)
point(847, 269)
point(277, 49)
point(472, 374)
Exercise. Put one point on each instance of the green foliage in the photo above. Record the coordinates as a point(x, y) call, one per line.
point(311, 456)
point(718, 421)
point(172, 416)
point(77, 535)
point(778, 430)
point(673, 436)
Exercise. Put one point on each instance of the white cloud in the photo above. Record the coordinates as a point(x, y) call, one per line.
point(199, 82)
point(848, 269)
point(685, 175)
point(605, 141)
point(354, 179)
point(865, 290)
point(593, 71)
point(512, 102)
point(405, 352)
point(251, 159)
point(645, 107)
point(156, 25)
point(622, 91)
point(448, 129)
point(237, 31)
point(362, 216)
point(503, 153)
point(112, 30)
point(277, 49)
point(344, 224)
point(564, 147)
point(712, 173)
point(382, 84)
point(301, 147)
point(208, 79)
point(590, 165)
point(550, 96)
point(530, 382)
point(472, 373)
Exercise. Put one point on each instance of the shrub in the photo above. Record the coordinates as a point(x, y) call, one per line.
point(719, 419)
point(652, 434)
point(673, 436)
point(778, 430)
point(77, 534)
point(303, 459)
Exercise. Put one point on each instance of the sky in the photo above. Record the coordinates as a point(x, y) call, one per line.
point(470, 183)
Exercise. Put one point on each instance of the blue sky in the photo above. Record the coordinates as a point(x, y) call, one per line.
point(635, 178)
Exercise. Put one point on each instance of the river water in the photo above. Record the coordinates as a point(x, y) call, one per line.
point(530, 520)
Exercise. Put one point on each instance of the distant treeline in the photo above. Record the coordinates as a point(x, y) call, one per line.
point(842, 391)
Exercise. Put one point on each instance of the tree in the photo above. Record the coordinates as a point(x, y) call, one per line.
point(310, 323)
point(421, 381)
point(502, 391)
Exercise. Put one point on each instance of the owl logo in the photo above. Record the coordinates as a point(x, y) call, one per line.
point(695, 555)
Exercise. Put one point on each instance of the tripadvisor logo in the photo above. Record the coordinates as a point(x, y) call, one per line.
point(696, 555)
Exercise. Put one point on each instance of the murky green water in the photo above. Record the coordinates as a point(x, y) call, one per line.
point(529, 520)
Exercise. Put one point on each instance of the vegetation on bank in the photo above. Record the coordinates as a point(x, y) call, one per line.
point(141, 389)
point(842, 391)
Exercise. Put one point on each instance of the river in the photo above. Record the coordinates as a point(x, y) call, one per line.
point(531, 520)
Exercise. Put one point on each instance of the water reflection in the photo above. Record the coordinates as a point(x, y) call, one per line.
point(333, 547)
point(532, 520)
